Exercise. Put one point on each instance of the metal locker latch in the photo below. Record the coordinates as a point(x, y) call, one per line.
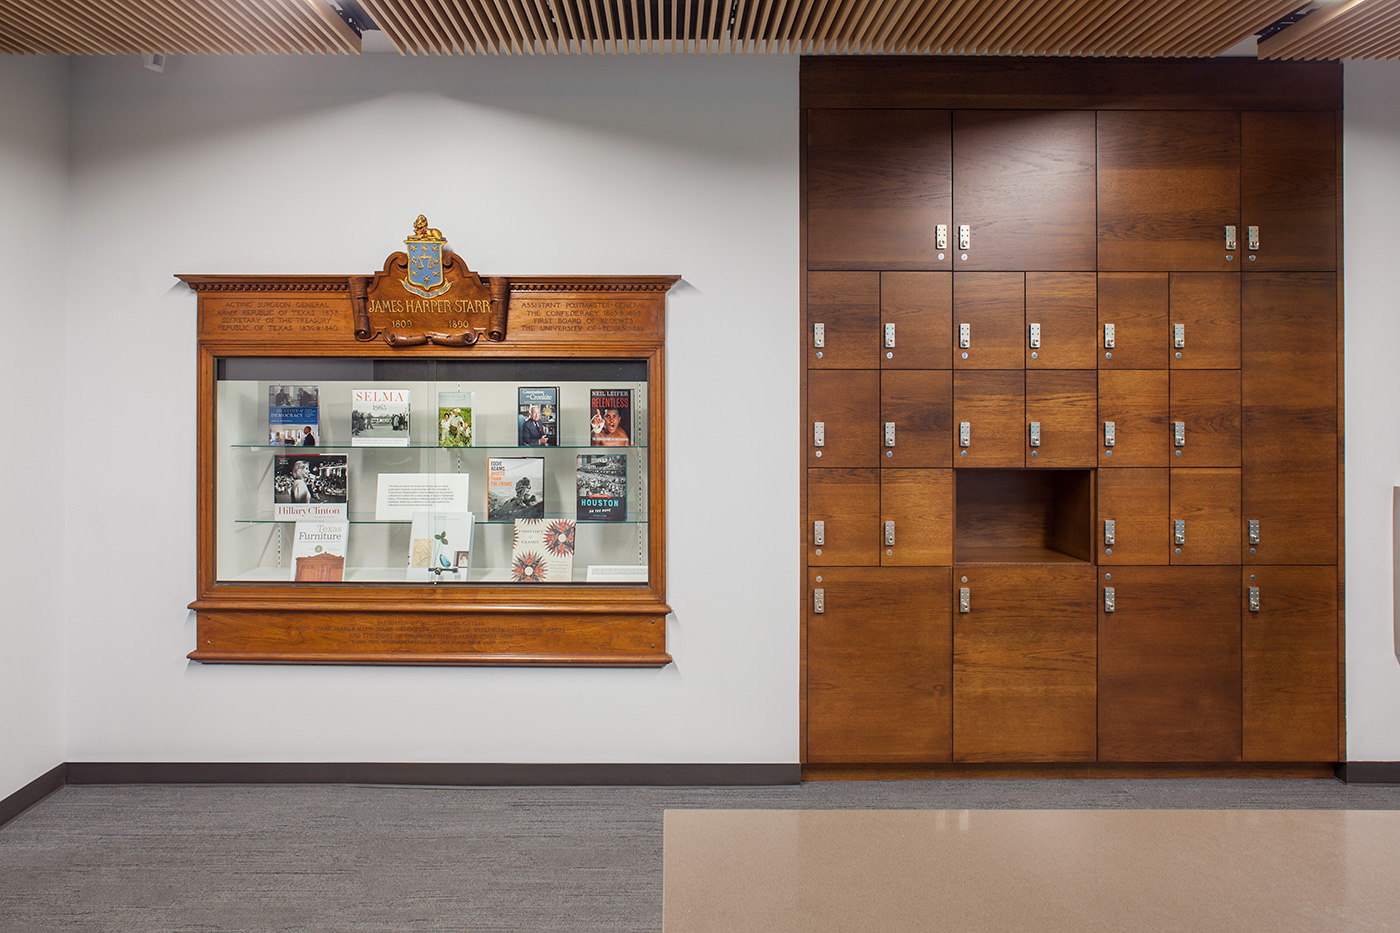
point(964, 236)
point(1179, 433)
point(1179, 336)
point(889, 433)
point(1108, 432)
point(819, 532)
point(889, 534)
point(964, 599)
point(1035, 336)
point(1230, 241)
point(1252, 237)
point(1035, 433)
point(965, 434)
point(819, 335)
point(1108, 336)
point(819, 600)
point(1108, 528)
point(1254, 531)
point(1254, 599)
point(889, 336)
point(1109, 599)
point(819, 433)
point(964, 336)
point(940, 236)
point(1179, 531)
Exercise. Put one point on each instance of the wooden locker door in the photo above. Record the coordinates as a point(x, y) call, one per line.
point(992, 306)
point(1288, 385)
point(1288, 189)
point(846, 404)
point(1208, 502)
point(879, 182)
point(920, 307)
point(919, 503)
point(847, 306)
point(1063, 307)
point(879, 665)
point(846, 503)
point(1064, 405)
point(1168, 184)
point(993, 405)
point(1290, 665)
point(1024, 183)
point(1206, 403)
point(1206, 305)
point(1138, 502)
point(1136, 402)
point(919, 404)
point(1134, 306)
point(1169, 664)
point(1024, 679)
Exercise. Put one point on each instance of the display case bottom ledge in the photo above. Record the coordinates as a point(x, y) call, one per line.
point(445, 659)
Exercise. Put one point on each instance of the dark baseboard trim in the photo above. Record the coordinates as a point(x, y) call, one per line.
point(431, 774)
point(31, 793)
point(1369, 772)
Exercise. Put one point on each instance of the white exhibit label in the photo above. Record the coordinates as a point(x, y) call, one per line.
point(617, 573)
point(401, 494)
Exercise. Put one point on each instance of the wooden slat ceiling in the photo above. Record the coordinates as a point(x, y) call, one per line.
point(1337, 29)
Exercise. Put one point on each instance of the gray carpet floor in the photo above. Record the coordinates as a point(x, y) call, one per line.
point(346, 859)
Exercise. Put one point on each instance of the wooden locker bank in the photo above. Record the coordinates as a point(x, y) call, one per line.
point(1072, 482)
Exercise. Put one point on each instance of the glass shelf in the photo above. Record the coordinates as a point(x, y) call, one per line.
point(367, 518)
point(383, 447)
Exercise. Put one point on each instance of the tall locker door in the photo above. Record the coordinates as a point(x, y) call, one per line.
point(1288, 382)
point(988, 419)
point(843, 413)
point(1061, 416)
point(879, 184)
point(1133, 507)
point(1290, 664)
point(916, 320)
point(1204, 309)
point(1133, 419)
point(1023, 663)
point(841, 507)
point(1169, 664)
point(1062, 320)
point(989, 320)
point(1288, 188)
point(1133, 321)
point(916, 518)
point(1205, 527)
point(916, 414)
point(843, 320)
point(879, 666)
point(1205, 417)
point(1024, 186)
point(1169, 185)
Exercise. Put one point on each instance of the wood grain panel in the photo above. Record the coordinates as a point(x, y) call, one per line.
point(1290, 664)
point(1169, 665)
point(1208, 305)
point(1168, 185)
point(920, 503)
point(847, 403)
point(846, 502)
point(920, 404)
point(847, 305)
point(878, 182)
point(1065, 402)
point(1208, 500)
point(993, 404)
point(1138, 501)
point(1023, 180)
point(993, 305)
point(879, 666)
point(920, 305)
point(1136, 305)
point(1136, 402)
point(1207, 401)
point(1065, 305)
point(1024, 674)
point(1288, 189)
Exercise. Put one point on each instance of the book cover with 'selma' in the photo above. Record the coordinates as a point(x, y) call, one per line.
point(602, 487)
point(610, 417)
point(379, 417)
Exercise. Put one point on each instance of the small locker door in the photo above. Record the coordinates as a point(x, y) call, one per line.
point(1062, 316)
point(841, 507)
point(916, 319)
point(916, 413)
point(843, 414)
point(1205, 525)
point(1133, 418)
point(1061, 417)
point(1205, 417)
point(1288, 188)
point(1204, 308)
point(989, 419)
point(1133, 320)
point(1134, 507)
point(843, 320)
point(989, 320)
point(916, 518)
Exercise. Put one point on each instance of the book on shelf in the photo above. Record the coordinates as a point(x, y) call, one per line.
point(602, 487)
point(379, 417)
point(542, 550)
point(440, 545)
point(455, 419)
point(318, 550)
point(610, 417)
point(538, 419)
point(310, 486)
point(514, 488)
point(293, 416)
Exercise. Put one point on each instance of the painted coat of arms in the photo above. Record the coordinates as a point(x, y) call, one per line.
point(425, 278)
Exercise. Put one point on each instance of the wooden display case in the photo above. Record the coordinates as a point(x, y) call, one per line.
point(425, 333)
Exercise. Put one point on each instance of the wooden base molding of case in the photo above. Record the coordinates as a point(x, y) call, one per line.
point(964, 771)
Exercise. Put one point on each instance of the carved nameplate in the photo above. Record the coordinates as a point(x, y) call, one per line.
point(258, 317)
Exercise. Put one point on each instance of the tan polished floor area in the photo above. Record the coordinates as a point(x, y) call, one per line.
point(729, 871)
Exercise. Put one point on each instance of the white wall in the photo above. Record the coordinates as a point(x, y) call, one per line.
point(33, 545)
point(1371, 205)
point(584, 165)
